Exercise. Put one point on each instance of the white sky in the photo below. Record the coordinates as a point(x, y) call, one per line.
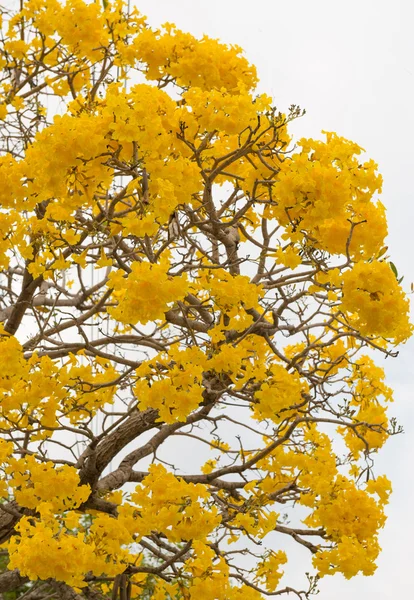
point(351, 65)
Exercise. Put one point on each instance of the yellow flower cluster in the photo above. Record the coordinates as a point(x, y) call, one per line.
point(80, 25)
point(370, 414)
point(25, 389)
point(61, 547)
point(35, 483)
point(350, 557)
point(210, 577)
point(169, 505)
point(269, 569)
point(229, 292)
point(43, 553)
point(146, 281)
point(223, 111)
point(66, 159)
point(372, 293)
point(171, 384)
point(32, 388)
point(324, 189)
point(352, 518)
point(163, 503)
point(42, 549)
point(256, 522)
point(280, 396)
point(347, 512)
point(205, 63)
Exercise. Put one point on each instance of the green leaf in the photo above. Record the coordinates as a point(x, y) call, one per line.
point(393, 269)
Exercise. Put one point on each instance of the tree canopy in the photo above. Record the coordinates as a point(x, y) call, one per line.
point(191, 303)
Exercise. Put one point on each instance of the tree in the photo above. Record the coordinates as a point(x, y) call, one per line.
point(181, 285)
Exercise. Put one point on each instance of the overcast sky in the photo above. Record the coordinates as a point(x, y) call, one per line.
point(351, 65)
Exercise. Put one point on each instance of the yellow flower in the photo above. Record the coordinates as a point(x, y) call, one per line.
point(289, 257)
